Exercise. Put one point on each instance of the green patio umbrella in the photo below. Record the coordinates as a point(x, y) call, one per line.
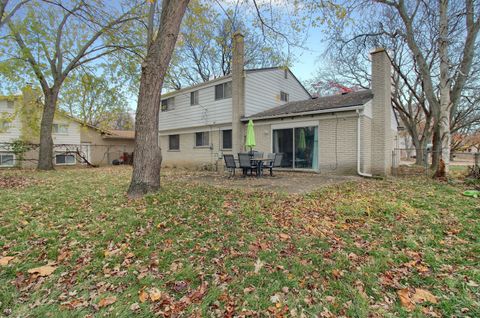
point(250, 142)
point(302, 144)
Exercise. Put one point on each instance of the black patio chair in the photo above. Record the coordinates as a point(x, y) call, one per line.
point(276, 162)
point(230, 164)
point(246, 164)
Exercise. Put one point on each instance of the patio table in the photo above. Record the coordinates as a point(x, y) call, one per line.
point(259, 163)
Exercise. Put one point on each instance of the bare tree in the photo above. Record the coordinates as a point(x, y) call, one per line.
point(451, 83)
point(63, 38)
point(148, 158)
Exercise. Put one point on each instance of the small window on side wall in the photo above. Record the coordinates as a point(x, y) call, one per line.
point(174, 142)
point(10, 104)
point(168, 104)
point(227, 139)
point(284, 97)
point(7, 160)
point(194, 98)
point(202, 139)
point(60, 129)
point(64, 159)
point(285, 73)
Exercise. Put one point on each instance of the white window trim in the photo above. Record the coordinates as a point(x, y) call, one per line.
point(13, 161)
point(197, 92)
point(65, 164)
point(195, 140)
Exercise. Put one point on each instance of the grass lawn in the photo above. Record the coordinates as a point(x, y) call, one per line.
point(395, 248)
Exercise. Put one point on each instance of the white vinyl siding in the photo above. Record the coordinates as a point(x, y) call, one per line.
point(208, 111)
point(12, 132)
point(262, 90)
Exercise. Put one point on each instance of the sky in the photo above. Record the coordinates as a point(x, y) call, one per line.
point(309, 59)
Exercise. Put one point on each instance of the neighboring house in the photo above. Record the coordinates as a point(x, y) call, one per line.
point(99, 147)
point(106, 146)
point(349, 133)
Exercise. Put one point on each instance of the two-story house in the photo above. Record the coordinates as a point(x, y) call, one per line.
point(196, 122)
point(346, 133)
point(19, 120)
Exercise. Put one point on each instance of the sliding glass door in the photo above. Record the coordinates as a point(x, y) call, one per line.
point(299, 147)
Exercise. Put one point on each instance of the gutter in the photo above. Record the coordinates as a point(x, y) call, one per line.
point(314, 112)
point(360, 173)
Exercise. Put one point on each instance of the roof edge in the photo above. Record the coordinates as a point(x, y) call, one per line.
point(314, 112)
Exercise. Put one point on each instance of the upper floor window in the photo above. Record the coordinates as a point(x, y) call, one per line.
point(168, 104)
point(174, 142)
point(194, 98)
point(285, 73)
point(201, 139)
point(223, 91)
point(284, 97)
point(9, 104)
point(60, 128)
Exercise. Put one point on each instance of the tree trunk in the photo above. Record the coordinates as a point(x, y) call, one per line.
point(147, 156)
point(443, 121)
point(45, 157)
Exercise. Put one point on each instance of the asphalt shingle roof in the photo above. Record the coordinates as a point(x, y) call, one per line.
point(315, 104)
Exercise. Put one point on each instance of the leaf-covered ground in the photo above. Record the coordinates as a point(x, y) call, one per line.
point(72, 245)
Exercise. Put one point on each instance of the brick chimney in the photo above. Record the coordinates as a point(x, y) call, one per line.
point(382, 132)
point(238, 93)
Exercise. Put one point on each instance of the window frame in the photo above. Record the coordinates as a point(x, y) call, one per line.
point(167, 104)
point(6, 125)
point(286, 95)
point(194, 98)
point(65, 155)
point(223, 140)
point(57, 130)
point(7, 154)
point(203, 145)
point(170, 142)
point(10, 104)
point(223, 85)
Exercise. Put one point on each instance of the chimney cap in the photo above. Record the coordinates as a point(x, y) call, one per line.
point(238, 33)
point(378, 50)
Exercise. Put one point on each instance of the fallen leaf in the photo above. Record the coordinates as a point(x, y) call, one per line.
point(284, 237)
point(422, 295)
point(405, 299)
point(258, 266)
point(143, 296)
point(5, 260)
point(135, 307)
point(336, 273)
point(104, 302)
point(46, 270)
point(155, 294)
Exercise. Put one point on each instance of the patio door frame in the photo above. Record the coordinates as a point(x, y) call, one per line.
point(293, 125)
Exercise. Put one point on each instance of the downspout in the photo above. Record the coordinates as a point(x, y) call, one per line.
point(360, 173)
